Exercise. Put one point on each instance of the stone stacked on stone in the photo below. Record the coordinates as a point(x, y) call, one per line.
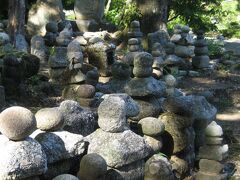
point(184, 43)
point(134, 45)
point(51, 33)
point(189, 134)
point(159, 36)
point(124, 156)
point(65, 36)
point(38, 48)
point(65, 177)
point(171, 61)
point(121, 73)
point(135, 31)
point(201, 58)
point(180, 134)
point(57, 63)
point(63, 149)
point(171, 82)
point(152, 128)
point(144, 88)
point(158, 54)
point(158, 167)
point(22, 157)
point(49, 119)
point(101, 55)
point(212, 154)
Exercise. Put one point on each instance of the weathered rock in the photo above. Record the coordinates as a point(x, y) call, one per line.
point(217, 153)
point(134, 170)
point(38, 48)
point(213, 130)
point(65, 36)
point(209, 176)
point(179, 166)
point(52, 26)
point(74, 53)
point(4, 38)
point(183, 51)
point(17, 123)
point(21, 159)
point(200, 61)
point(199, 51)
point(210, 166)
point(213, 140)
point(155, 143)
point(61, 145)
point(151, 126)
point(78, 120)
point(170, 80)
point(116, 149)
point(21, 43)
point(65, 177)
point(41, 13)
point(59, 58)
point(150, 107)
point(176, 126)
point(132, 108)
point(121, 70)
point(49, 119)
point(143, 65)
point(92, 166)
point(86, 91)
point(158, 167)
point(112, 114)
point(140, 87)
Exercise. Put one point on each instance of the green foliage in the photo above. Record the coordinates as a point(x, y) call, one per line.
point(122, 13)
point(215, 48)
point(52, 50)
point(198, 14)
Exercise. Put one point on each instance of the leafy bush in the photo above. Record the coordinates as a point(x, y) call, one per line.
point(216, 48)
point(122, 13)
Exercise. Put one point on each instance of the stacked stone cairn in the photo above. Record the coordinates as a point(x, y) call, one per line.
point(57, 64)
point(39, 49)
point(158, 167)
point(212, 154)
point(62, 148)
point(184, 43)
point(201, 58)
point(124, 156)
point(145, 89)
point(158, 54)
point(22, 156)
point(171, 62)
point(51, 33)
point(135, 32)
point(185, 121)
point(152, 128)
point(171, 83)
point(76, 88)
point(65, 36)
point(101, 54)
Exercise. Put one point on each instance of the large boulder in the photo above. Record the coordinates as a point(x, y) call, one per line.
point(78, 120)
point(41, 13)
point(61, 145)
point(21, 159)
point(17, 123)
point(118, 149)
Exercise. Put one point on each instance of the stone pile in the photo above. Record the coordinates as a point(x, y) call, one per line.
point(57, 64)
point(22, 156)
point(212, 154)
point(201, 58)
point(51, 33)
point(186, 119)
point(159, 36)
point(184, 43)
point(65, 36)
point(135, 32)
point(144, 88)
point(158, 54)
point(124, 156)
point(78, 120)
point(158, 167)
point(152, 128)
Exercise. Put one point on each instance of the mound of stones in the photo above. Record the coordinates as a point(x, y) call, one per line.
point(123, 150)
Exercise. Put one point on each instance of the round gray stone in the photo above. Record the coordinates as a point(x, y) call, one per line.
point(151, 126)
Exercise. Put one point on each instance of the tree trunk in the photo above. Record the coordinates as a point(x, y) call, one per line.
point(154, 14)
point(16, 15)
